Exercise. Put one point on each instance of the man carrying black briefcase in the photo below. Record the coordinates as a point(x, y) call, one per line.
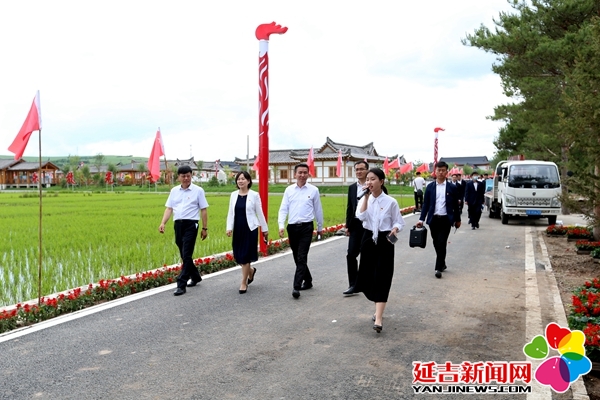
point(440, 211)
point(418, 237)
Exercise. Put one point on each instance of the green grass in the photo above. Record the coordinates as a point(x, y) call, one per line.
point(91, 236)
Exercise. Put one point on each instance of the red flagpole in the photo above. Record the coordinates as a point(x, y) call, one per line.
point(263, 33)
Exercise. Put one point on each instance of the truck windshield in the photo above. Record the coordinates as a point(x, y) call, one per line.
point(533, 176)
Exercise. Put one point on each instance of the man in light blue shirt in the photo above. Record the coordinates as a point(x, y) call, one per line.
point(301, 204)
point(187, 203)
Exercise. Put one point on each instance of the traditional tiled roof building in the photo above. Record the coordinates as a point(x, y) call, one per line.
point(282, 162)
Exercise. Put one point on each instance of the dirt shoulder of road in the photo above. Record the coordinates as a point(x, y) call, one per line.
point(572, 271)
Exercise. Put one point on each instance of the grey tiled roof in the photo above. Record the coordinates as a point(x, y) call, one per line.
point(478, 160)
point(6, 163)
point(32, 166)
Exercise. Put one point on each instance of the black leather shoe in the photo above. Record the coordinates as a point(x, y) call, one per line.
point(378, 328)
point(253, 275)
point(242, 291)
point(306, 286)
point(438, 274)
point(349, 291)
point(192, 283)
point(179, 291)
point(295, 293)
point(445, 268)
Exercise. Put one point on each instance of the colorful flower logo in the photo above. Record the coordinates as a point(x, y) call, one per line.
point(559, 371)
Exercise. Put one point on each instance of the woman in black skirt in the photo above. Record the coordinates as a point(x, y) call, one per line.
point(243, 219)
point(380, 216)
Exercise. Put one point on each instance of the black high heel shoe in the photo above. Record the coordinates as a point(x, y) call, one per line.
point(378, 328)
point(242, 291)
point(253, 275)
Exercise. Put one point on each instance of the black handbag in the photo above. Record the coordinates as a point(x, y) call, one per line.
point(418, 237)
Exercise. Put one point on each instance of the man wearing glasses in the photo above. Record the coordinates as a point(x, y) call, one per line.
point(354, 228)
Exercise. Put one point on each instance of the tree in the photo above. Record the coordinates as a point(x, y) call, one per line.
point(536, 50)
point(98, 163)
point(582, 125)
point(85, 171)
point(142, 168)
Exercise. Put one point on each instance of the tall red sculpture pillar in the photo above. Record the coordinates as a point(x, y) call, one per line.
point(263, 33)
point(435, 149)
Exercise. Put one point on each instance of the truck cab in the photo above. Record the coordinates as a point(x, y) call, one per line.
point(527, 189)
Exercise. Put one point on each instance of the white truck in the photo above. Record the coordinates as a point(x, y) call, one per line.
point(525, 188)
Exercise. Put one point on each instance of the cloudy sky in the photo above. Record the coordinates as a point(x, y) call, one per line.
point(111, 72)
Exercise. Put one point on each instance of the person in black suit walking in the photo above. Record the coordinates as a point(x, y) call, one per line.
point(474, 199)
point(354, 228)
point(440, 211)
point(461, 186)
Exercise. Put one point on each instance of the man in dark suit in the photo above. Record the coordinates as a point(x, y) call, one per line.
point(440, 211)
point(460, 185)
point(474, 199)
point(354, 228)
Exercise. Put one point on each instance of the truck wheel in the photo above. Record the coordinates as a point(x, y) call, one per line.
point(552, 220)
point(504, 218)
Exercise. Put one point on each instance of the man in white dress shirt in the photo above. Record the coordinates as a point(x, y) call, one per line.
point(301, 205)
point(418, 184)
point(186, 202)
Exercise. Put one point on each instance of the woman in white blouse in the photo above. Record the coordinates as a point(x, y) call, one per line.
point(380, 216)
point(243, 219)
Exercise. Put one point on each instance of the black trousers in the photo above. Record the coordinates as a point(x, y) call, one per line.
point(300, 236)
point(475, 214)
point(354, 241)
point(440, 230)
point(418, 200)
point(186, 232)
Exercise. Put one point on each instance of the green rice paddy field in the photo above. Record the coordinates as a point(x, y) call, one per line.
point(93, 236)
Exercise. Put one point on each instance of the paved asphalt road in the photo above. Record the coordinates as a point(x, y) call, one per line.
point(213, 343)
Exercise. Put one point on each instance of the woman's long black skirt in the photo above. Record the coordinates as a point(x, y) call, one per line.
point(376, 268)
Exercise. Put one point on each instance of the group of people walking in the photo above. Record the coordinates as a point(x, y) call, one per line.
point(373, 220)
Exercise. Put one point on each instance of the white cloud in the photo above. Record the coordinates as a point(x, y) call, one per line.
point(111, 72)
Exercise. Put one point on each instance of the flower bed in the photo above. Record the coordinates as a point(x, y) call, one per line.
point(407, 210)
point(586, 245)
point(558, 230)
point(579, 233)
point(585, 316)
point(105, 290)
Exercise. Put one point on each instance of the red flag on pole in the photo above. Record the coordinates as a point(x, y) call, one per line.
point(386, 166)
point(338, 170)
point(311, 163)
point(406, 168)
point(33, 122)
point(158, 150)
point(256, 164)
point(394, 164)
point(423, 168)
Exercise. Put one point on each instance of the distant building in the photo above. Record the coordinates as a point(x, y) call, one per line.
point(478, 162)
point(282, 162)
point(21, 174)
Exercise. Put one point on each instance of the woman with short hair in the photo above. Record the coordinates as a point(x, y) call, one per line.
point(243, 219)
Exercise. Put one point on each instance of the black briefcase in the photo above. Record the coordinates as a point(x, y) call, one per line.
point(418, 237)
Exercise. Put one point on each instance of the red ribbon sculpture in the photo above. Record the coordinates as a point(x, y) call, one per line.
point(263, 32)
